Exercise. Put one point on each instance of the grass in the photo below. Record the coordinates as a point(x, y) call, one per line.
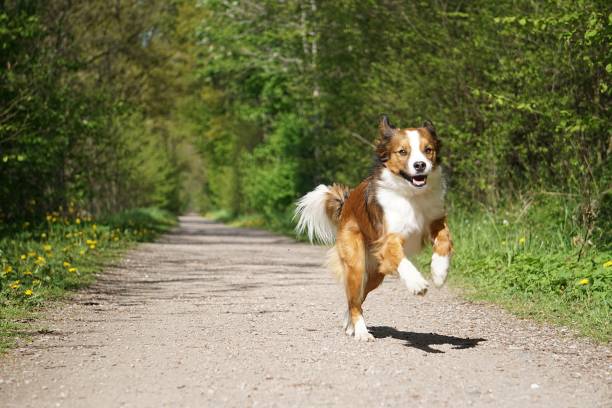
point(536, 261)
point(533, 258)
point(44, 262)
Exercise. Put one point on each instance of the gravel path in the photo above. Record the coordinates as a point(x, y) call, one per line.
point(217, 316)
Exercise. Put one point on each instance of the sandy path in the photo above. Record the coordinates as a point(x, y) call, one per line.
point(217, 316)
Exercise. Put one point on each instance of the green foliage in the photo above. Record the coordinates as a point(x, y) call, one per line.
point(520, 92)
point(40, 262)
point(89, 106)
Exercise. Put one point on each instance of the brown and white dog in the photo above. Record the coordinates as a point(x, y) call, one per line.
point(384, 220)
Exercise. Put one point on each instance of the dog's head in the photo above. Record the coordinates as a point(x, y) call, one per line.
point(410, 153)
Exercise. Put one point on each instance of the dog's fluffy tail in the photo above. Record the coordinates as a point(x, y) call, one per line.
point(318, 212)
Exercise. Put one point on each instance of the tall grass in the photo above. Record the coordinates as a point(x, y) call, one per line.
point(536, 259)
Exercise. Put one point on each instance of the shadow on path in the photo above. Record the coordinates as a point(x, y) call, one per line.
point(424, 341)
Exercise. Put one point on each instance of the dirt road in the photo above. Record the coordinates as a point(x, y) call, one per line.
point(217, 316)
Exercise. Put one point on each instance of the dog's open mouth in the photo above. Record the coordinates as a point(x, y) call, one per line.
point(420, 180)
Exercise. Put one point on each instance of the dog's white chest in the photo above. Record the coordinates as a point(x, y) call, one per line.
point(401, 216)
point(409, 217)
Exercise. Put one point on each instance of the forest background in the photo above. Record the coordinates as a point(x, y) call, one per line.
point(236, 108)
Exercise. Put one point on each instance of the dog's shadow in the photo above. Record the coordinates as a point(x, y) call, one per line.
point(424, 341)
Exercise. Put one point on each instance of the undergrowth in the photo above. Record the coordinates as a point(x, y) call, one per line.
point(42, 262)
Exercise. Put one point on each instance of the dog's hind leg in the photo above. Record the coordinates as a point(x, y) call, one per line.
point(351, 248)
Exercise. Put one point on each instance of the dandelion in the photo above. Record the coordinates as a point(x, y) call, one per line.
point(82, 252)
point(77, 221)
point(72, 270)
point(28, 292)
point(66, 264)
point(8, 269)
point(27, 273)
point(522, 241)
point(608, 264)
point(584, 281)
point(16, 284)
point(39, 260)
point(92, 246)
point(47, 248)
point(32, 254)
point(23, 257)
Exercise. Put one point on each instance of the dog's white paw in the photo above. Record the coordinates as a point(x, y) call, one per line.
point(412, 278)
point(361, 331)
point(439, 268)
point(364, 336)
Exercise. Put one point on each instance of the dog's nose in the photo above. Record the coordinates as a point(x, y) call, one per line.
point(419, 166)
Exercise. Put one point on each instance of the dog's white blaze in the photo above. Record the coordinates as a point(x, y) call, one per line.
point(361, 331)
point(312, 217)
point(416, 155)
point(439, 268)
point(412, 278)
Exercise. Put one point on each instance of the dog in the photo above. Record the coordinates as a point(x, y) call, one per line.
point(383, 221)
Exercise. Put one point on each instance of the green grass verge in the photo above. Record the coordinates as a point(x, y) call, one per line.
point(533, 258)
point(44, 262)
point(537, 262)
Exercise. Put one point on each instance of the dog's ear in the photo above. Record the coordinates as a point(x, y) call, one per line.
point(385, 128)
point(428, 124)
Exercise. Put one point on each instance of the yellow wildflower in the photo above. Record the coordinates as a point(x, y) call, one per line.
point(47, 248)
point(72, 270)
point(92, 246)
point(78, 221)
point(8, 269)
point(584, 281)
point(608, 264)
point(522, 240)
point(23, 257)
point(39, 260)
point(94, 227)
point(82, 252)
point(66, 264)
point(16, 284)
point(27, 273)
point(27, 292)
point(32, 253)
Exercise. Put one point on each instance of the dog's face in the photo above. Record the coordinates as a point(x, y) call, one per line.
point(411, 153)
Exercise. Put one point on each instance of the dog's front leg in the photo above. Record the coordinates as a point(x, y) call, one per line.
point(442, 250)
point(391, 258)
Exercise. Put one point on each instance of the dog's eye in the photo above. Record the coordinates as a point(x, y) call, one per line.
point(402, 152)
point(428, 150)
